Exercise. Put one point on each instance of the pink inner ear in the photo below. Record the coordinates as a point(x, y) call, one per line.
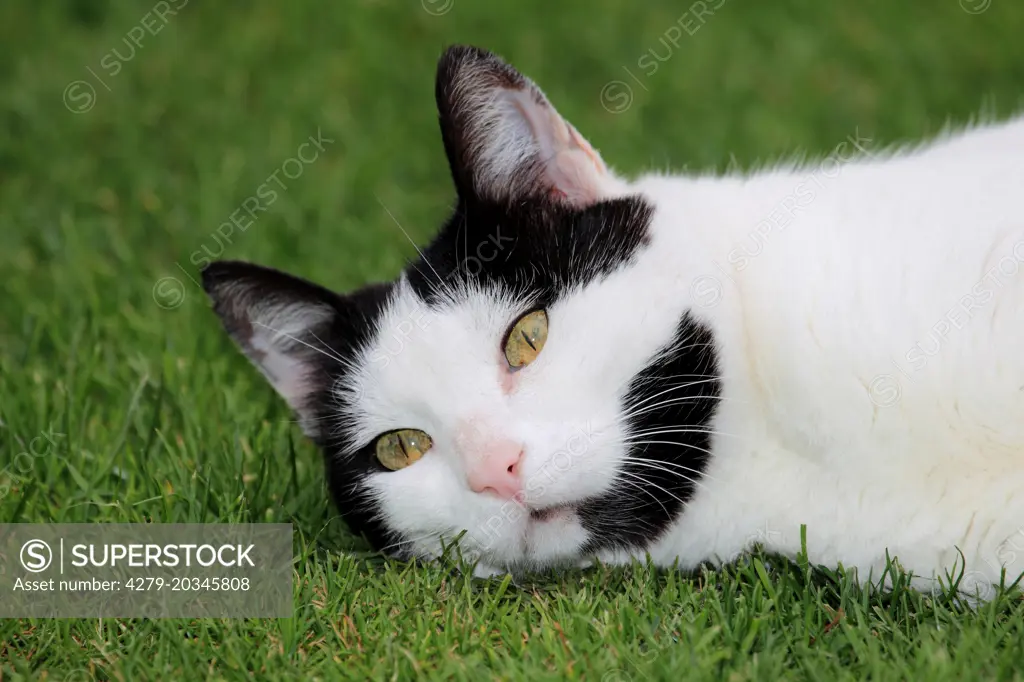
point(575, 176)
point(580, 142)
point(572, 166)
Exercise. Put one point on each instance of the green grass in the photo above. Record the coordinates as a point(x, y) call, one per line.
point(164, 421)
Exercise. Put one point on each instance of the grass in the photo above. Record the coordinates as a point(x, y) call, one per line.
point(161, 420)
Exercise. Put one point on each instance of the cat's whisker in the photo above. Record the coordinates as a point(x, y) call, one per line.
point(658, 465)
point(653, 485)
point(669, 442)
point(662, 432)
point(636, 410)
point(632, 384)
point(346, 364)
point(636, 486)
point(667, 471)
point(673, 388)
point(693, 346)
point(440, 279)
point(628, 416)
point(638, 502)
point(298, 340)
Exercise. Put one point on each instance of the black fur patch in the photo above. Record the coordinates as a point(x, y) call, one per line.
point(538, 248)
point(678, 391)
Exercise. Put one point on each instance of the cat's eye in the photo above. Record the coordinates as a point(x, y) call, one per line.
point(526, 339)
point(398, 449)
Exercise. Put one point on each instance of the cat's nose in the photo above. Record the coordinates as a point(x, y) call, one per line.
point(497, 472)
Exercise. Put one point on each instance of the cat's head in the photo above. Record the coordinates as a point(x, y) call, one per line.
point(515, 383)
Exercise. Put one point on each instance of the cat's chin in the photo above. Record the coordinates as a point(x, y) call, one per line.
point(541, 539)
point(487, 571)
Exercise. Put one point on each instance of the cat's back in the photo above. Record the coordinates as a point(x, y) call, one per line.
point(868, 310)
point(884, 295)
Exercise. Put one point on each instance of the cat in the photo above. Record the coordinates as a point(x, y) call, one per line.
point(583, 367)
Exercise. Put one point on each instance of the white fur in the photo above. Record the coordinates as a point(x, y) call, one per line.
point(835, 422)
point(833, 413)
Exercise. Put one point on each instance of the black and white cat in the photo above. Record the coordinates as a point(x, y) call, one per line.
point(585, 366)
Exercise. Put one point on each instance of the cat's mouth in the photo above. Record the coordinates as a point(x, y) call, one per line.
point(550, 513)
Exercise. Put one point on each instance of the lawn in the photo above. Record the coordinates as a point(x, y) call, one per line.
point(117, 169)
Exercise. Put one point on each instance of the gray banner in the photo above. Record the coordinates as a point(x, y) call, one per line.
point(132, 570)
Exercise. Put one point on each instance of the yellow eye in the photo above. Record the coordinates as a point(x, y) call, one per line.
point(398, 449)
point(526, 339)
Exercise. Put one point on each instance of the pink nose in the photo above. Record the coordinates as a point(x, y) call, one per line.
point(498, 472)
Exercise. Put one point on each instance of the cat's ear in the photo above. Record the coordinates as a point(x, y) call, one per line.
point(505, 141)
point(283, 324)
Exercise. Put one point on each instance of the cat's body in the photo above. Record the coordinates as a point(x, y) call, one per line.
point(869, 320)
point(728, 358)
